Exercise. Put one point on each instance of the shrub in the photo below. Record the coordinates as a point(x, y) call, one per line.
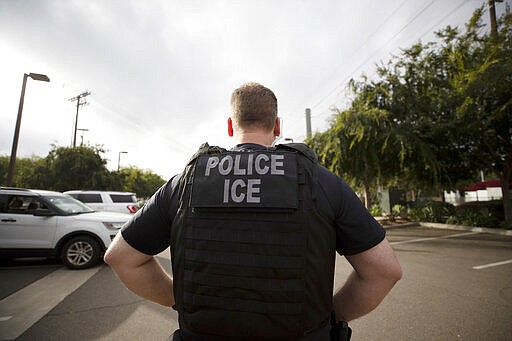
point(473, 218)
point(376, 210)
point(507, 225)
point(431, 211)
point(480, 213)
point(399, 211)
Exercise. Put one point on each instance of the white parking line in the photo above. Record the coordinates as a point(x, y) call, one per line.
point(21, 310)
point(433, 238)
point(490, 265)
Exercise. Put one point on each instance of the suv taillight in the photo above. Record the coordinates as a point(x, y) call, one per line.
point(132, 208)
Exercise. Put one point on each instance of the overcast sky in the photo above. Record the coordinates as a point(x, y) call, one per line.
point(161, 73)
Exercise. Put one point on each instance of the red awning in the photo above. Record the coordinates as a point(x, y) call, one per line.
point(483, 185)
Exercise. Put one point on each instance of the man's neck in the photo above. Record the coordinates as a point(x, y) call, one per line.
point(257, 138)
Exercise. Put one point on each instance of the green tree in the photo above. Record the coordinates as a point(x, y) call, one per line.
point(370, 151)
point(435, 116)
point(29, 171)
point(82, 168)
point(482, 78)
point(26, 171)
point(389, 136)
point(4, 167)
point(142, 182)
point(75, 168)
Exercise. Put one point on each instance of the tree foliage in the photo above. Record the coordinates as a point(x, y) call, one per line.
point(81, 168)
point(142, 182)
point(434, 116)
point(75, 168)
point(482, 78)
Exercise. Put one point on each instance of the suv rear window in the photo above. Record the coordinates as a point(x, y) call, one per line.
point(123, 198)
point(88, 197)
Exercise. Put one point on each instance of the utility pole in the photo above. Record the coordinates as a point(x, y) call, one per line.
point(492, 13)
point(119, 159)
point(308, 122)
point(79, 102)
point(82, 136)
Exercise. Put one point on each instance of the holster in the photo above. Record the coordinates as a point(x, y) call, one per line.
point(340, 331)
point(176, 336)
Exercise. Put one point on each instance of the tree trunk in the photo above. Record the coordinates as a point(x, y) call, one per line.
point(505, 190)
point(367, 202)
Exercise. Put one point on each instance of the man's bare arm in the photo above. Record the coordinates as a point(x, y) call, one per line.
point(375, 272)
point(139, 272)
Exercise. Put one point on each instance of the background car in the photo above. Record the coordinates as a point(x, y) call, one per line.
point(125, 202)
point(37, 223)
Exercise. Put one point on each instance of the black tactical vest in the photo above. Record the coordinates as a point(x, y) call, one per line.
point(253, 259)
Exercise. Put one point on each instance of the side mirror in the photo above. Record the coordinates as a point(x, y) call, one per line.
point(43, 212)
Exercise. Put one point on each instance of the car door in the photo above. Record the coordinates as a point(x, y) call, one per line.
point(20, 228)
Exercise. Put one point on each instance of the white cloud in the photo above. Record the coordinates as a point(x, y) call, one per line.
point(161, 72)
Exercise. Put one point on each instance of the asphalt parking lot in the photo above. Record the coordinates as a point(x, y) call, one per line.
point(457, 285)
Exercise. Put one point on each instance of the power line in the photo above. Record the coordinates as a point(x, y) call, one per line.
point(429, 30)
point(122, 114)
point(371, 35)
point(456, 8)
point(374, 53)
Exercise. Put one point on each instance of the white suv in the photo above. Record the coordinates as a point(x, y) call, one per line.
point(36, 223)
point(124, 202)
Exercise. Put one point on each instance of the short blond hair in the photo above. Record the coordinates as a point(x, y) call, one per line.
point(254, 106)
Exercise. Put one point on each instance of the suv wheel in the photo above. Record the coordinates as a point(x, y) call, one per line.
point(81, 252)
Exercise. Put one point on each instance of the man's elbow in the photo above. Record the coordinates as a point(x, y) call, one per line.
point(389, 266)
point(393, 273)
point(113, 254)
point(397, 273)
point(389, 272)
point(109, 257)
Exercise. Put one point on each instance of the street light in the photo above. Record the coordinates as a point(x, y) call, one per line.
point(119, 159)
point(12, 161)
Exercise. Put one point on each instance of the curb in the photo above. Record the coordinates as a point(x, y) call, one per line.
point(453, 227)
point(411, 224)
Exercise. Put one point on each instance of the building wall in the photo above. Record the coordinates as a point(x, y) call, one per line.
point(491, 193)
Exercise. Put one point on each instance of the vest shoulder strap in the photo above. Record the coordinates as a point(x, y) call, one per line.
point(205, 148)
point(301, 148)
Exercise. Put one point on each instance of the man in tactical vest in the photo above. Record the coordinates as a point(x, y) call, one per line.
point(253, 233)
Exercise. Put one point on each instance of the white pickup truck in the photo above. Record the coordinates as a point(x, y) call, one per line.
point(109, 201)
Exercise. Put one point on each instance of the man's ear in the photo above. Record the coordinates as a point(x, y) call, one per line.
point(230, 127)
point(277, 127)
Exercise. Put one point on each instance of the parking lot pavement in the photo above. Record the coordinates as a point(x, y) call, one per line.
point(23, 308)
point(22, 272)
point(456, 286)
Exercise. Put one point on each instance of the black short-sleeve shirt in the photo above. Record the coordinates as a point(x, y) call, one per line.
point(149, 230)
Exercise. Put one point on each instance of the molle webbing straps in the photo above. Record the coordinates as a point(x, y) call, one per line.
point(244, 267)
